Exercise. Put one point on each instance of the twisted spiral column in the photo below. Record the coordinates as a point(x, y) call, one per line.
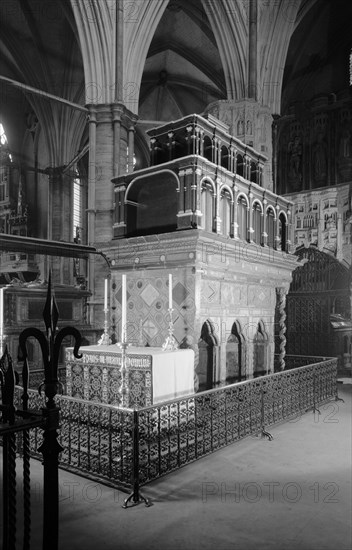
point(281, 300)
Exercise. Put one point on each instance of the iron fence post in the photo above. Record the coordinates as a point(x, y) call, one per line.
point(51, 449)
point(264, 432)
point(135, 497)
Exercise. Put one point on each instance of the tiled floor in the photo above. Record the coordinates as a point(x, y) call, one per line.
point(291, 493)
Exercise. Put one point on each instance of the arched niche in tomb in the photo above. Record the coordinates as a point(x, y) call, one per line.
point(260, 347)
point(151, 203)
point(235, 355)
point(207, 346)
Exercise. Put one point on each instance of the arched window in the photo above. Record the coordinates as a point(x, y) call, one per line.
point(257, 222)
point(226, 212)
point(242, 218)
point(207, 206)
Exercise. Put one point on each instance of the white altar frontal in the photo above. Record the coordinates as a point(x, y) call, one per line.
point(153, 375)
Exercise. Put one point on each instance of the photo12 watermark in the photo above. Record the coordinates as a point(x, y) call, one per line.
point(253, 492)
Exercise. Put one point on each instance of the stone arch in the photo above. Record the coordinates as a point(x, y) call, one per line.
point(235, 355)
point(152, 204)
point(207, 346)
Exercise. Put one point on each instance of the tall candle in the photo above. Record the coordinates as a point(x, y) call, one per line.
point(123, 314)
point(170, 291)
point(106, 294)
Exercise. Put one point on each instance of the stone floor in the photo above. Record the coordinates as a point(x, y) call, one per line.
point(291, 493)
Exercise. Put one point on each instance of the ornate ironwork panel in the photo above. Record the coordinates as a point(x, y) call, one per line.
point(97, 439)
point(319, 288)
point(176, 433)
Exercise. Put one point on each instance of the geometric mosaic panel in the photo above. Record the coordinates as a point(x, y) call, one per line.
point(179, 293)
point(149, 294)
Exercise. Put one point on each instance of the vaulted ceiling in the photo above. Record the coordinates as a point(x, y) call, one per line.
point(187, 59)
point(318, 57)
point(39, 48)
point(183, 72)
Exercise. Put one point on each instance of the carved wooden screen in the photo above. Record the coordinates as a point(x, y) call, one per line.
point(311, 300)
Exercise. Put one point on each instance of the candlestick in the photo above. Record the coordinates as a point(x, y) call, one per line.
point(123, 312)
point(105, 339)
point(170, 291)
point(170, 343)
point(123, 388)
point(106, 294)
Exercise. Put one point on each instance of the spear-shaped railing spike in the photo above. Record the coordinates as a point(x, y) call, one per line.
point(50, 311)
point(50, 345)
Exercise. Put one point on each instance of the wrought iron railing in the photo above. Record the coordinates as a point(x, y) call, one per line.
point(294, 361)
point(36, 378)
point(129, 448)
point(22, 416)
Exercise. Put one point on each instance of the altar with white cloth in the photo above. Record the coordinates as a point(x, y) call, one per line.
point(153, 375)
